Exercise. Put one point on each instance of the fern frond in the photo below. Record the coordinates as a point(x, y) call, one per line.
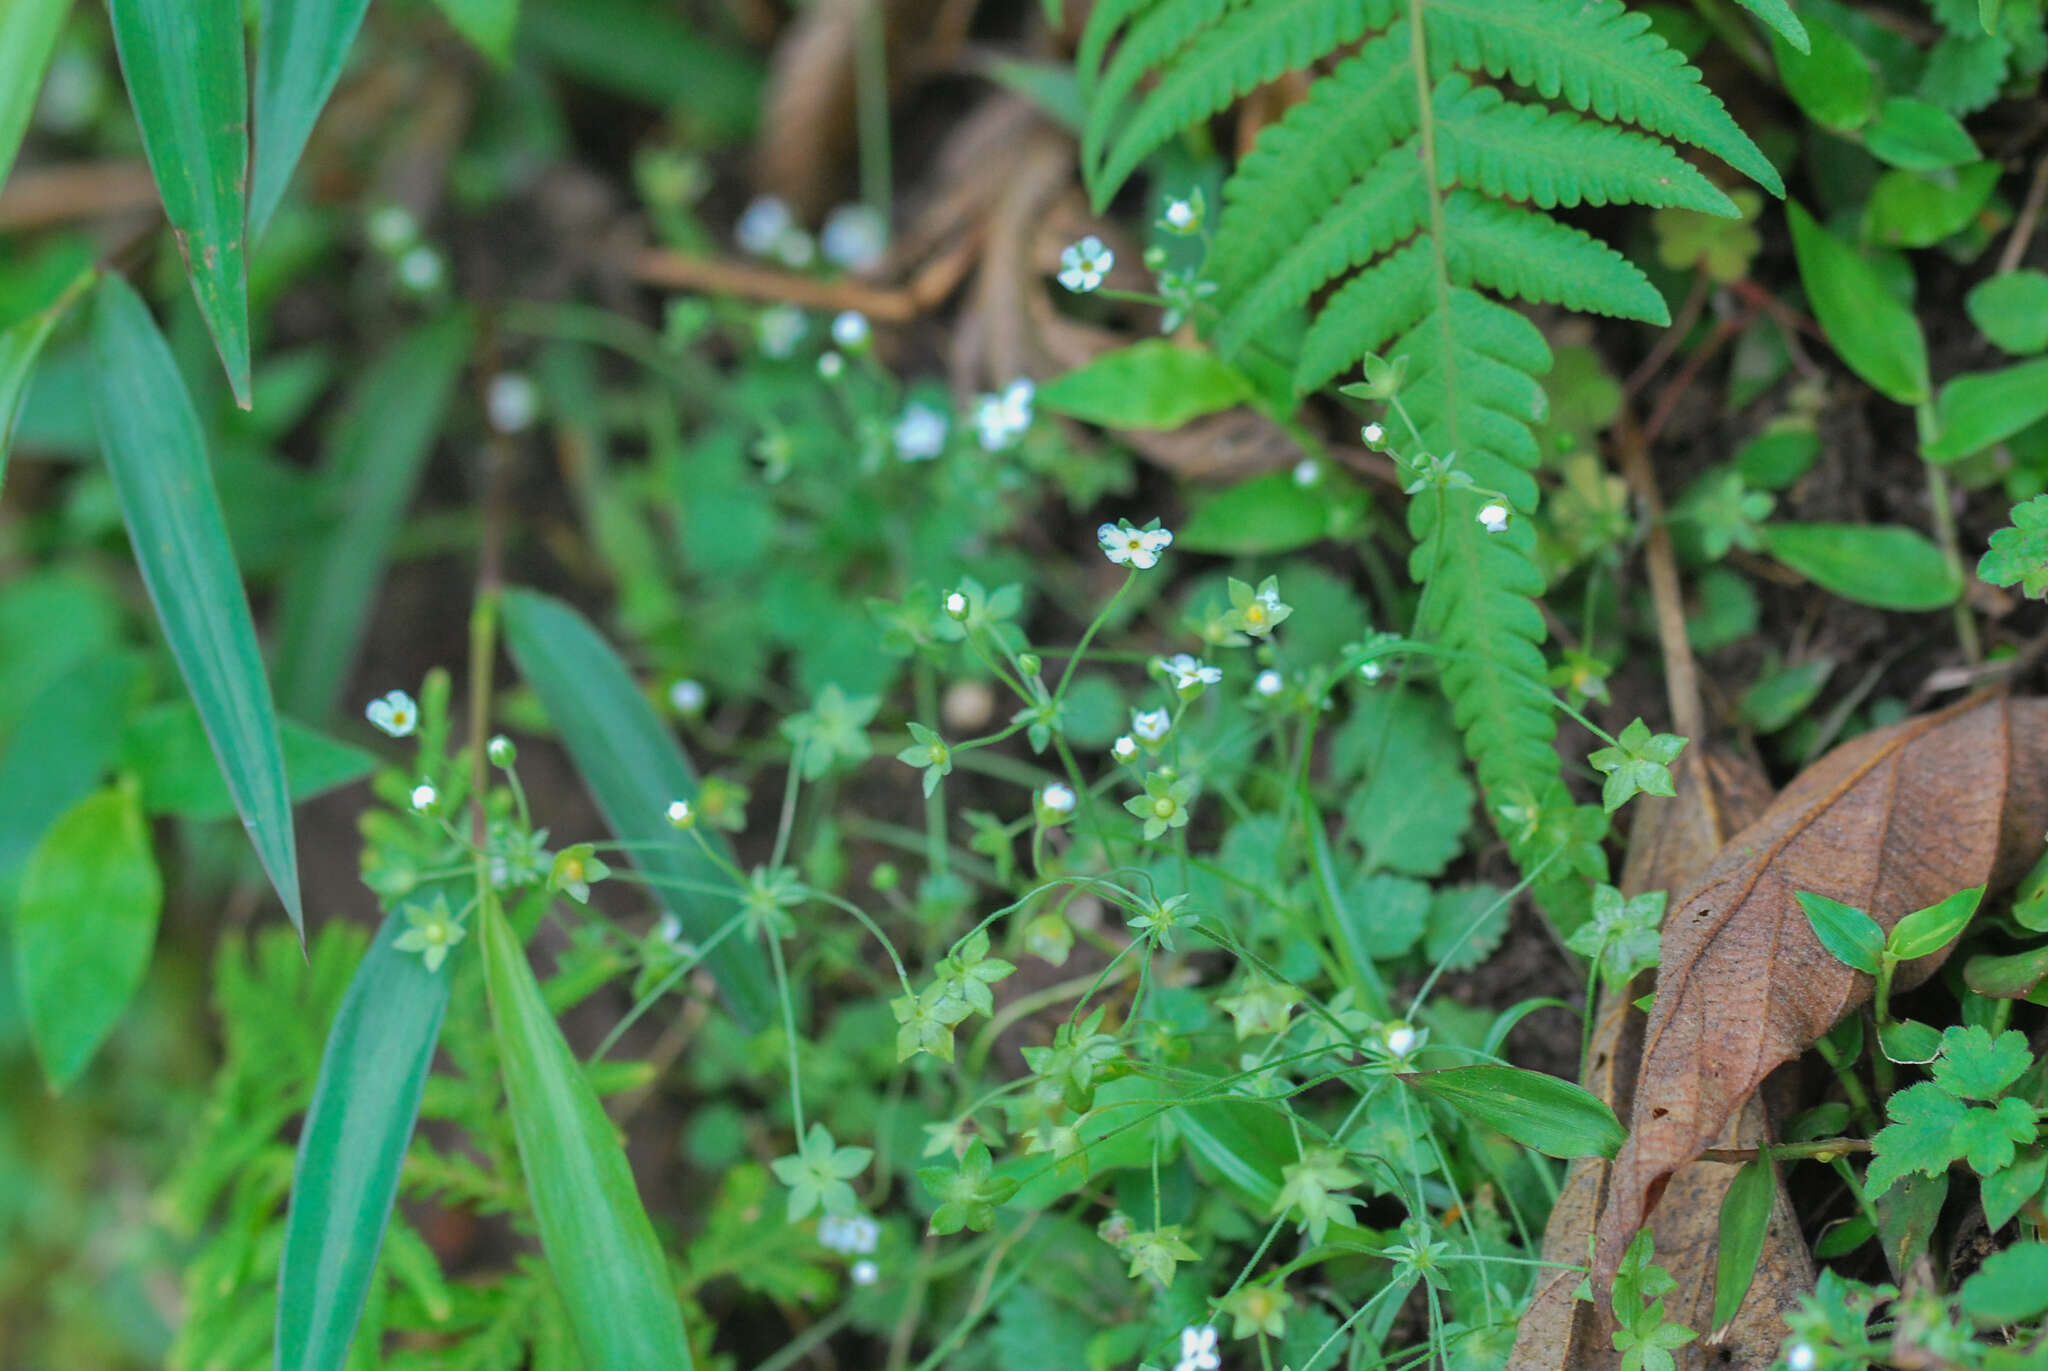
point(1550, 157)
point(1153, 36)
point(1374, 308)
point(1530, 256)
point(1596, 56)
point(1246, 50)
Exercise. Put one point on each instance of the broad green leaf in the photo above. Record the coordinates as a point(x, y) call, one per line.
point(600, 1247)
point(1827, 77)
point(1986, 407)
point(64, 751)
point(2010, 977)
point(1154, 384)
point(375, 455)
point(1554, 1116)
point(2011, 1286)
point(1243, 1143)
point(1880, 565)
point(1745, 1219)
point(2007, 1190)
point(300, 48)
point(1267, 514)
point(28, 35)
point(1933, 928)
point(166, 749)
point(2011, 309)
point(1914, 209)
point(1781, 695)
point(1908, 1041)
point(1852, 937)
point(1875, 333)
point(1115, 1137)
point(633, 767)
point(1782, 20)
point(85, 927)
point(1916, 136)
point(372, 1072)
point(489, 24)
point(21, 344)
point(188, 81)
point(645, 50)
point(152, 444)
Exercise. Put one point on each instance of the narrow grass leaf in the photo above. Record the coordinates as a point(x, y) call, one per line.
point(376, 453)
point(85, 928)
point(187, 80)
point(28, 35)
point(600, 1246)
point(21, 344)
point(1745, 1218)
point(633, 767)
point(1554, 1116)
point(300, 50)
point(150, 437)
point(379, 1049)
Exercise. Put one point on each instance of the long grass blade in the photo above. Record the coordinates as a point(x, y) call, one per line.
point(20, 345)
point(28, 36)
point(300, 50)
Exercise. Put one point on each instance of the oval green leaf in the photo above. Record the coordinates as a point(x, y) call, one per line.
point(372, 1073)
point(1149, 385)
point(152, 443)
point(1265, 515)
point(1873, 330)
point(1916, 136)
point(1909, 1042)
point(1884, 566)
point(84, 928)
point(1828, 77)
point(166, 749)
point(20, 344)
point(186, 78)
point(2011, 977)
point(1987, 407)
point(28, 35)
point(1554, 1116)
point(2012, 310)
point(299, 54)
point(1851, 936)
point(1935, 927)
point(55, 763)
point(602, 1250)
point(1912, 209)
point(633, 767)
point(1745, 1219)
point(2011, 1286)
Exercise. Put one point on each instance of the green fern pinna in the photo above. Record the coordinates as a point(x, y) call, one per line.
point(1419, 171)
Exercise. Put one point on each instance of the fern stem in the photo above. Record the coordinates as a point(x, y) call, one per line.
point(1425, 139)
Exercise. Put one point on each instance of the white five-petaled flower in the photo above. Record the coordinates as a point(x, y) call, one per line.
point(1375, 434)
point(1800, 1357)
point(1133, 547)
point(1083, 265)
point(686, 697)
point(1189, 674)
point(1180, 214)
point(681, 814)
point(850, 329)
point(511, 402)
point(1370, 672)
point(956, 605)
point(1000, 420)
point(762, 224)
point(854, 237)
point(1268, 683)
point(421, 269)
point(1124, 749)
point(1494, 517)
point(1198, 1349)
point(855, 1234)
point(1151, 725)
point(1400, 1039)
point(865, 1272)
point(1307, 471)
point(395, 713)
point(920, 433)
point(425, 797)
point(1057, 798)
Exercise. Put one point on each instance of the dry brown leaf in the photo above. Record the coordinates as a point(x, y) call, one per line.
point(1890, 822)
point(1673, 842)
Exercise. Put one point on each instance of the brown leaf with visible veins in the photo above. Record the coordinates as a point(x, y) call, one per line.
point(1890, 822)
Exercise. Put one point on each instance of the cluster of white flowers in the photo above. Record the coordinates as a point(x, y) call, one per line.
point(1000, 420)
point(1133, 547)
point(1084, 265)
point(1198, 1349)
point(854, 1235)
point(920, 433)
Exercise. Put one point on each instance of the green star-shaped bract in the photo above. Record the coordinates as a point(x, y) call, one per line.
point(1164, 804)
point(1157, 1252)
point(1263, 1006)
point(967, 1195)
point(833, 731)
point(921, 1029)
point(1639, 761)
point(964, 976)
point(1158, 919)
point(433, 933)
point(575, 870)
point(1307, 1186)
point(817, 1174)
point(1622, 934)
point(1256, 612)
point(927, 752)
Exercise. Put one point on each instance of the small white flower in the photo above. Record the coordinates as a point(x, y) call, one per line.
point(1002, 419)
point(669, 929)
point(1494, 517)
point(1083, 265)
point(920, 433)
point(1269, 683)
point(762, 224)
point(850, 329)
point(1375, 434)
point(1181, 215)
point(778, 329)
point(1370, 672)
point(424, 798)
point(1133, 547)
point(854, 237)
point(865, 1272)
point(853, 1235)
point(395, 713)
point(421, 269)
point(1124, 749)
point(1057, 798)
point(831, 365)
point(687, 697)
point(1198, 1349)
point(796, 249)
point(1307, 471)
point(511, 402)
point(681, 814)
point(1800, 1357)
point(501, 752)
point(1188, 674)
point(1399, 1038)
point(1151, 725)
point(391, 229)
point(956, 605)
